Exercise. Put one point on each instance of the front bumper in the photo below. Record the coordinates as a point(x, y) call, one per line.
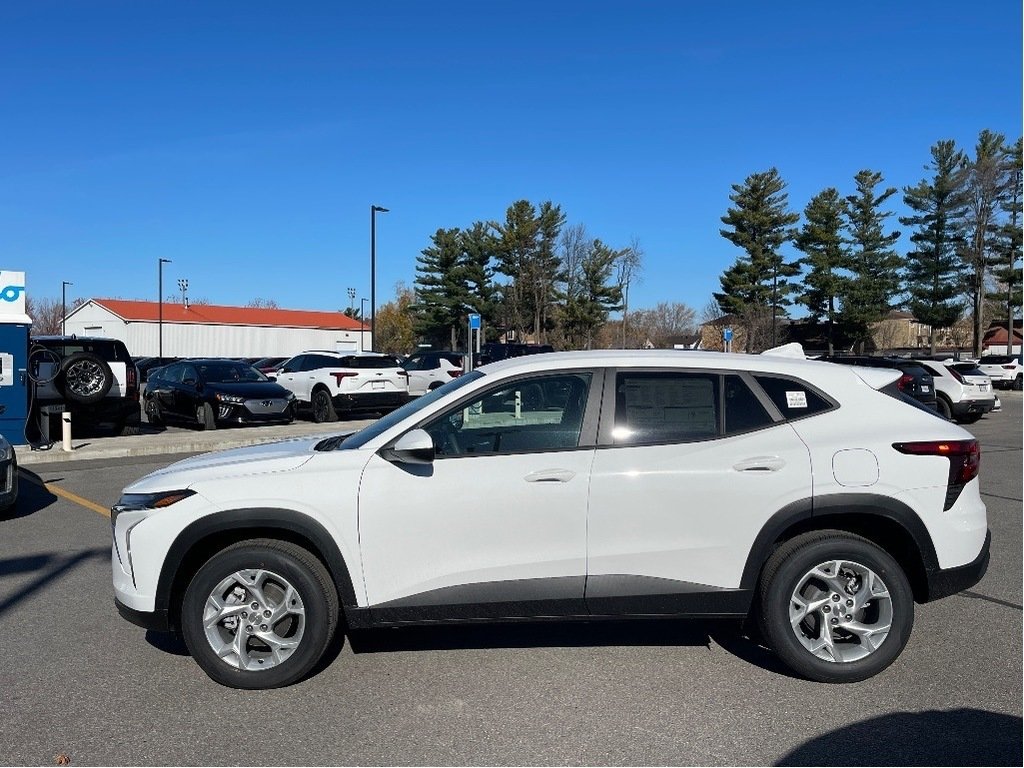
point(154, 620)
point(943, 582)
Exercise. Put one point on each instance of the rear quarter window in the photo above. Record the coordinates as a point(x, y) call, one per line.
point(794, 399)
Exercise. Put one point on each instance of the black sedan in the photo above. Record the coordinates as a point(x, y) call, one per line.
point(216, 391)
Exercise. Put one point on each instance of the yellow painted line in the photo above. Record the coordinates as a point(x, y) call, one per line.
point(55, 489)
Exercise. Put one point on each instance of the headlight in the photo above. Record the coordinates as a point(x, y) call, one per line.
point(290, 395)
point(137, 501)
point(6, 450)
point(229, 398)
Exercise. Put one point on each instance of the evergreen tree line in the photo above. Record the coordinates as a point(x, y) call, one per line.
point(530, 274)
point(965, 249)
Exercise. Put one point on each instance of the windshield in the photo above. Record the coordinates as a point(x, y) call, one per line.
point(227, 373)
point(363, 436)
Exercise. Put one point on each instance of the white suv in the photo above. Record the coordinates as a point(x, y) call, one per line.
point(575, 485)
point(958, 399)
point(1005, 370)
point(329, 383)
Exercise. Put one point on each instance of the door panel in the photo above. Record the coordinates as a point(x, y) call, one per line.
point(472, 537)
point(689, 512)
point(496, 525)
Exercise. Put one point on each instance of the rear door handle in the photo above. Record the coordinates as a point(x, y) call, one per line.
point(760, 464)
point(550, 476)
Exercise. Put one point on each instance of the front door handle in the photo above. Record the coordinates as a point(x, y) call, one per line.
point(550, 476)
point(760, 464)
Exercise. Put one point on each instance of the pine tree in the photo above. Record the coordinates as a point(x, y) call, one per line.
point(442, 296)
point(872, 262)
point(821, 238)
point(760, 225)
point(934, 268)
point(526, 254)
point(590, 293)
point(987, 184)
point(479, 249)
point(1009, 242)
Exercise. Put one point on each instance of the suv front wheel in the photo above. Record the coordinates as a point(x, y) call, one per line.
point(835, 607)
point(259, 614)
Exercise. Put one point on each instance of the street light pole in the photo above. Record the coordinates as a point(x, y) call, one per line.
point(362, 322)
point(374, 210)
point(63, 304)
point(160, 297)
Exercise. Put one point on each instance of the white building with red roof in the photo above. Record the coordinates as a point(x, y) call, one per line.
point(216, 331)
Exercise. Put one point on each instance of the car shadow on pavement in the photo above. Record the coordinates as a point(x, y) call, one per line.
point(50, 567)
point(952, 737)
point(33, 496)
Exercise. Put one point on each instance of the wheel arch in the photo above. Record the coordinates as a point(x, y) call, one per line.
point(889, 523)
point(208, 535)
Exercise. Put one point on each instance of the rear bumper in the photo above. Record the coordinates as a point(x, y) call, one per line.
point(943, 582)
point(968, 407)
point(370, 401)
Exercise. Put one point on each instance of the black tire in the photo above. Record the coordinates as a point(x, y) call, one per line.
point(944, 408)
point(205, 416)
point(1018, 382)
point(84, 378)
point(789, 566)
point(970, 418)
point(153, 413)
point(282, 562)
point(323, 406)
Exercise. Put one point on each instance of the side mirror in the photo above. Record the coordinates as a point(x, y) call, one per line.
point(416, 447)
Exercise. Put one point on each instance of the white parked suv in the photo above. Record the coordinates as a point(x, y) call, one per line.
point(604, 484)
point(431, 369)
point(329, 383)
point(1005, 370)
point(958, 399)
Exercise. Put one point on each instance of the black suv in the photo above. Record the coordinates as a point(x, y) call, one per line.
point(916, 381)
point(492, 352)
point(93, 378)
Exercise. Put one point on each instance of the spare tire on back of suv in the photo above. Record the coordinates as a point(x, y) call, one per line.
point(84, 378)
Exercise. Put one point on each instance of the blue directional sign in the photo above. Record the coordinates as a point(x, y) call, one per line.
point(727, 334)
point(474, 322)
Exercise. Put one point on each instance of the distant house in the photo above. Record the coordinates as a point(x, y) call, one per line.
point(206, 329)
point(994, 340)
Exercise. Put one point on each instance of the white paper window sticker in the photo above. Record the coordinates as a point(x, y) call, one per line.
point(796, 399)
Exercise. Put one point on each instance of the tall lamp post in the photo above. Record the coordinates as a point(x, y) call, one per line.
point(160, 296)
point(63, 304)
point(362, 322)
point(374, 210)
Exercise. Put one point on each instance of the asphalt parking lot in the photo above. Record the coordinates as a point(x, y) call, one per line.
point(79, 682)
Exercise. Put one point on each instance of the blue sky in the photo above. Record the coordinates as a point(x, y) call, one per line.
point(247, 141)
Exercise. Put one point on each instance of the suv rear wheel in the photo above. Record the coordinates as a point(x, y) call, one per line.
point(259, 614)
point(835, 607)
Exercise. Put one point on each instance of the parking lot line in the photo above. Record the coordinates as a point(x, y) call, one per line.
point(56, 490)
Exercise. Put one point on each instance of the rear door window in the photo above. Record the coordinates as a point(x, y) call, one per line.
point(654, 407)
point(743, 410)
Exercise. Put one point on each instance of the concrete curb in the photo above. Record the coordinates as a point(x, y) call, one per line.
point(178, 441)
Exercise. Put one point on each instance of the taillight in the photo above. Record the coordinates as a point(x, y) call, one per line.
point(905, 381)
point(956, 375)
point(339, 375)
point(1009, 367)
point(455, 373)
point(964, 461)
point(131, 376)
